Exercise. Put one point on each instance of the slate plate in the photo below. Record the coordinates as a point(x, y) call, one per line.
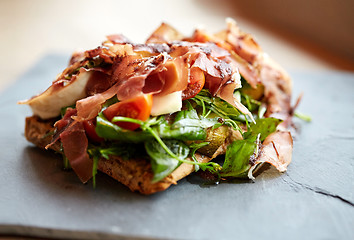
point(313, 200)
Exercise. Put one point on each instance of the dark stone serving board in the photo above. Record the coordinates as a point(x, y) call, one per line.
point(314, 199)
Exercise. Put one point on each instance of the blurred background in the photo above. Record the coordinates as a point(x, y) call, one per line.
point(302, 35)
point(305, 35)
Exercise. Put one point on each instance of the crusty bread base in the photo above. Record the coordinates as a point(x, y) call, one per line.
point(136, 174)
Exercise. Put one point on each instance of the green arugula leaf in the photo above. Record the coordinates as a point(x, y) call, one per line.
point(66, 162)
point(194, 147)
point(238, 153)
point(225, 108)
point(187, 125)
point(109, 102)
point(95, 155)
point(264, 126)
point(162, 163)
point(302, 116)
point(228, 113)
point(237, 159)
point(124, 150)
point(109, 130)
point(65, 159)
point(95, 159)
point(249, 102)
point(211, 166)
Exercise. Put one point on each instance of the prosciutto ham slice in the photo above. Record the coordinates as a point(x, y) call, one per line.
point(275, 150)
point(164, 33)
point(132, 72)
point(163, 74)
point(258, 68)
point(75, 144)
point(89, 107)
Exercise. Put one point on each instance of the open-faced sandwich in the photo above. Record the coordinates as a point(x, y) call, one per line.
point(150, 114)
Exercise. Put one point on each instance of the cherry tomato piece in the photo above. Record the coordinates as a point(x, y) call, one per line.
point(195, 85)
point(138, 108)
point(90, 126)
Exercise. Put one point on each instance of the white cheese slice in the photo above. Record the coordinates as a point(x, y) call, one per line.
point(169, 103)
point(49, 103)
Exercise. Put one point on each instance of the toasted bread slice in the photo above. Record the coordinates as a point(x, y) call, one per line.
point(136, 174)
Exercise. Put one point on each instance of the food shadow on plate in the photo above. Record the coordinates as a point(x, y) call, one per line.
point(47, 169)
point(48, 172)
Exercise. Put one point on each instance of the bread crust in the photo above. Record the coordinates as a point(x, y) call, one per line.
point(135, 173)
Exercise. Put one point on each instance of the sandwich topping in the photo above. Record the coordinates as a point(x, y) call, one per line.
point(171, 98)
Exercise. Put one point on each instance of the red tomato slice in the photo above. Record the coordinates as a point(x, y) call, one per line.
point(90, 126)
point(195, 85)
point(138, 108)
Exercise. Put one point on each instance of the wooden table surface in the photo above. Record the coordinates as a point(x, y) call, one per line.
point(30, 30)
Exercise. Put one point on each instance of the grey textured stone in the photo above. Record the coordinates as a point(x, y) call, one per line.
point(313, 200)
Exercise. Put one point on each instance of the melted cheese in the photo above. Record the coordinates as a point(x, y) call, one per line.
point(169, 103)
point(49, 103)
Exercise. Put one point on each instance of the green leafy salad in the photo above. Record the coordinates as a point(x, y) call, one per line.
point(172, 139)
